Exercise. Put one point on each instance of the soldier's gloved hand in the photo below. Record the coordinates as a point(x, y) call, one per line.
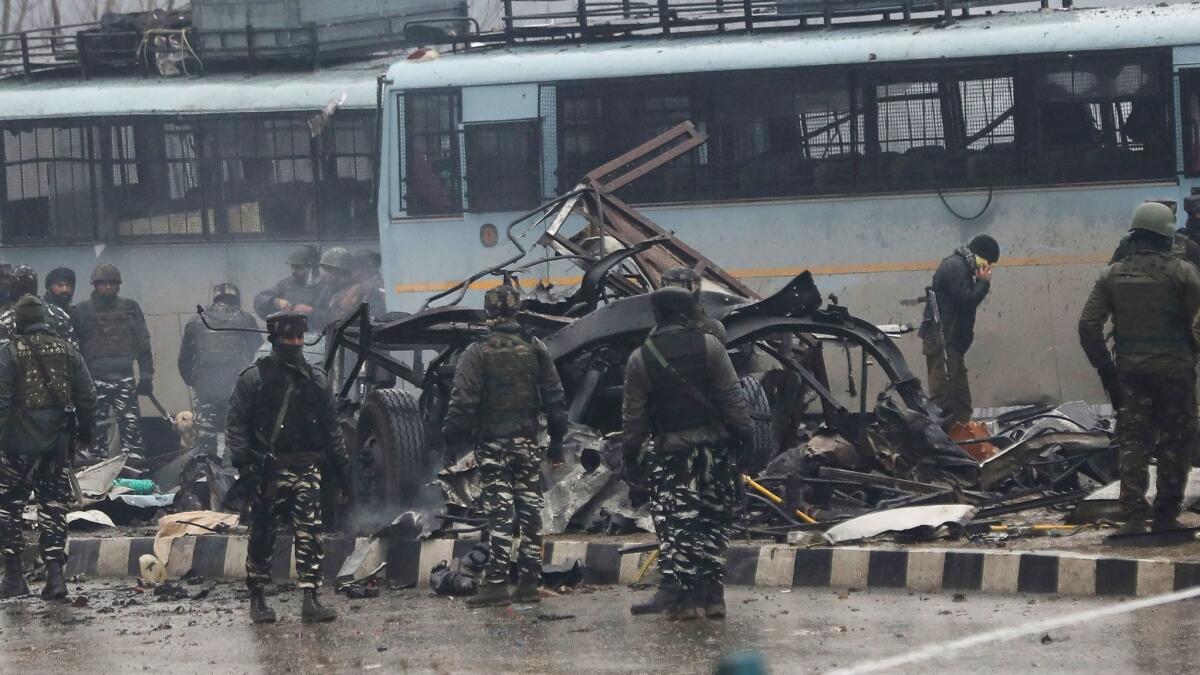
point(1111, 383)
point(555, 453)
point(145, 386)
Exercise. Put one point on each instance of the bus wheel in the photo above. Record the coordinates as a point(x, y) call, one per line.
point(392, 465)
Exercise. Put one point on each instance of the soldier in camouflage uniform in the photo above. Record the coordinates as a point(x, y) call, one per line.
point(295, 293)
point(47, 405)
point(501, 385)
point(336, 292)
point(1153, 298)
point(281, 430)
point(681, 387)
point(24, 282)
point(210, 360)
point(112, 336)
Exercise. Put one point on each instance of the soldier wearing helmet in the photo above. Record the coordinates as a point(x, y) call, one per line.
point(502, 384)
point(210, 360)
point(960, 284)
point(1152, 298)
point(24, 282)
point(283, 437)
point(113, 336)
point(337, 280)
point(682, 390)
point(366, 286)
point(687, 279)
point(296, 292)
point(1183, 245)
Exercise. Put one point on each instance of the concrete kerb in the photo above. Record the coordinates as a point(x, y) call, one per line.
point(769, 565)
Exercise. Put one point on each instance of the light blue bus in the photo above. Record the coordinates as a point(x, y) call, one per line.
point(864, 153)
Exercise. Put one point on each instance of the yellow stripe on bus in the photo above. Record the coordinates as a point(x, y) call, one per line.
point(785, 272)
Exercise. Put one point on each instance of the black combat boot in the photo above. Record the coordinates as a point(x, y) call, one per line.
point(527, 589)
point(260, 611)
point(714, 600)
point(661, 601)
point(490, 595)
point(313, 611)
point(687, 605)
point(56, 585)
point(13, 585)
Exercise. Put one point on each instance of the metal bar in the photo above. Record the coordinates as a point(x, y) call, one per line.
point(664, 17)
point(862, 383)
point(25, 62)
point(314, 46)
point(250, 52)
point(581, 14)
point(1029, 504)
point(508, 21)
point(682, 130)
point(880, 481)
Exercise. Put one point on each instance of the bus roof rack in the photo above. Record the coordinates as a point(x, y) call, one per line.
point(587, 20)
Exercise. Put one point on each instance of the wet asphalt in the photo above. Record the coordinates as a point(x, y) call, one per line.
point(111, 627)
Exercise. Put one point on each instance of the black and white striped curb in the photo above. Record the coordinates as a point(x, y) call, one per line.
point(926, 570)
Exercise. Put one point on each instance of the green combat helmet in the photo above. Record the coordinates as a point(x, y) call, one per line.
point(682, 277)
point(501, 301)
point(1154, 217)
point(106, 272)
point(338, 258)
point(305, 255)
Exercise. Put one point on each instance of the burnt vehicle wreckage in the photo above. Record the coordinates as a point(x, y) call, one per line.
point(811, 454)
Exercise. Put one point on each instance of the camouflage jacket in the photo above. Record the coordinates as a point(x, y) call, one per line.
point(462, 414)
point(33, 427)
point(57, 320)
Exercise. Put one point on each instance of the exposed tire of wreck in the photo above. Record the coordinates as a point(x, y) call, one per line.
point(392, 463)
point(754, 458)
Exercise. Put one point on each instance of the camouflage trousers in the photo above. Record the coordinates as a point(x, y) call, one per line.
point(209, 420)
point(20, 475)
point(510, 482)
point(1157, 419)
point(294, 499)
point(952, 394)
point(118, 400)
point(659, 500)
point(695, 488)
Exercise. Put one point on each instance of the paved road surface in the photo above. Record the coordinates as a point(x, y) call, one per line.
point(413, 631)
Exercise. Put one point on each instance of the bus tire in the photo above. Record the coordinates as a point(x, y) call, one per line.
point(392, 463)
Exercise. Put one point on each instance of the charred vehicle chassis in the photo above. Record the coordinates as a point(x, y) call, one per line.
point(393, 432)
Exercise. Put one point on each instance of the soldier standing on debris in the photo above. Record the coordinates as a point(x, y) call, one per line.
point(1153, 298)
point(24, 282)
point(210, 360)
point(680, 387)
point(112, 335)
point(687, 279)
point(501, 384)
point(294, 293)
point(47, 406)
point(282, 429)
point(960, 284)
point(60, 288)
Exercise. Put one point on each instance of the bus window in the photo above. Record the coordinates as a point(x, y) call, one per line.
point(1101, 118)
point(432, 171)
point(264, 176)
point(347, 157)
point(595, 120)
point(155, 187)
point(1189, 110)
point(503, 166)
point(51, 180)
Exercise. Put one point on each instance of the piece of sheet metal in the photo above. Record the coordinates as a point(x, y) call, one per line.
point(903, 520)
